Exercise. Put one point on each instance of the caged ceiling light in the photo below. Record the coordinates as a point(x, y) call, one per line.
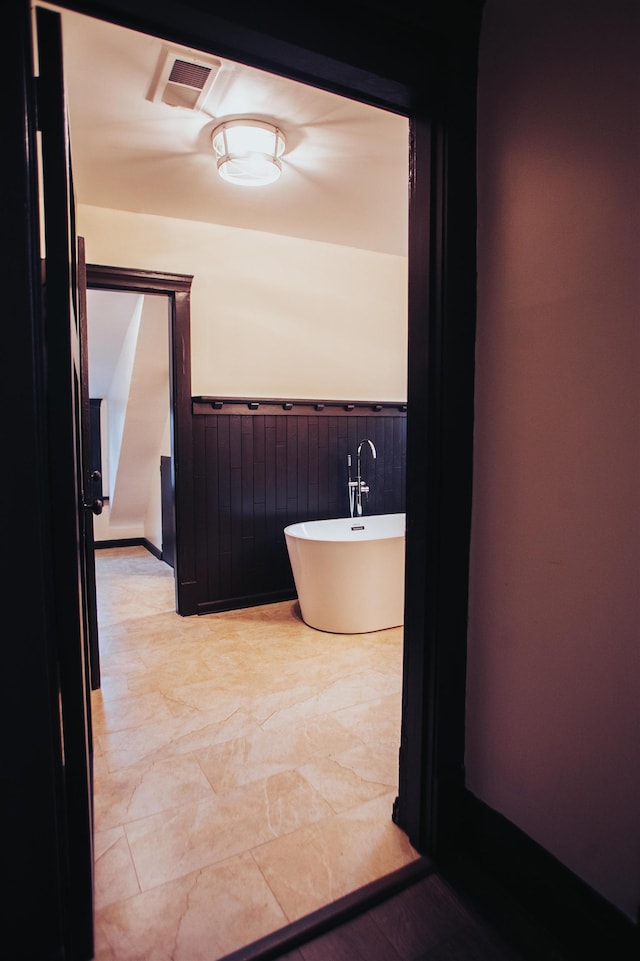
point(248, 152)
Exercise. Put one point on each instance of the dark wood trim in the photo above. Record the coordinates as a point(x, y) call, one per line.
point(167, 513)
point(177, 287)
point(64, 426)
point(271, 405)
point(34, 839)
point(130, 542)
point(91, 463)
point(442, 309)
point(554, 896)
point(102, 277)
point(152, 548)
point(248, 600)
point(95, 484)
point(120, 542)
point(314, 925)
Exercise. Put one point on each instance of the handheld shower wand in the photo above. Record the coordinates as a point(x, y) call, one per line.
point(351, 486)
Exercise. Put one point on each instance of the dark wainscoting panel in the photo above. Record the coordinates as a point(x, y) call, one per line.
point(261, 465)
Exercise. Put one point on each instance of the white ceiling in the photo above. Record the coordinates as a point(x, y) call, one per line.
point(345, 168)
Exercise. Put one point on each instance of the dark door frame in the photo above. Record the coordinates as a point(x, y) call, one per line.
point(427, 71)
point(422, 65)
point(177, 287)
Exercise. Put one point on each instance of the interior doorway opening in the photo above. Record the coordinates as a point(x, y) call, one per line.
point(128, 339)
point(386, 792)
point(427, 80)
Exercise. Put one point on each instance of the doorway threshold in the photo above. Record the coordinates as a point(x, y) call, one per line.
point(319, 922)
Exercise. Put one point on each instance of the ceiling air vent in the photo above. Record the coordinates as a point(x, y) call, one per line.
point(182, 80)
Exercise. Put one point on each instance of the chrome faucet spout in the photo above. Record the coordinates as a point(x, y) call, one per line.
point(360, 486)
point(370, 443)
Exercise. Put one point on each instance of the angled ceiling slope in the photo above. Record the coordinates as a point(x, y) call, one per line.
point(142, 113)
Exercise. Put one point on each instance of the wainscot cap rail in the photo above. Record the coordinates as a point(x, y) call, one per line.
point(274, 405)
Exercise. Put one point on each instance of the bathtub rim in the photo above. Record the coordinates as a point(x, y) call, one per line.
point(351, 527)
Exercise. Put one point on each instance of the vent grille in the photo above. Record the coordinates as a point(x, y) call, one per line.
point(190, 74)
point(181, 80)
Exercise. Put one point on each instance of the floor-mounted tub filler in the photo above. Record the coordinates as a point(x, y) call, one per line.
point(349, 572)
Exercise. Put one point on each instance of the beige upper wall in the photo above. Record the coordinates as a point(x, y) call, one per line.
point(271, 316)
point(553, 733)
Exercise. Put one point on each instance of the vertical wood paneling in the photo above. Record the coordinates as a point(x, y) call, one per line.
point(259, 501)
point(235, 459)
point(246, 573)
point(208, 533)
point(271, 524)
point(270, 445)
point(281, 465)
point(323, 462)
point(399, 462)
point(292, 465)
point(223, 478)
point(256, 473)
point(302, 492)
point(201, 538)
point(313, 492)
point(334, 505)
point(388, 464)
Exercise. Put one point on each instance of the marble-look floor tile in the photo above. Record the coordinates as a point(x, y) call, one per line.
point(175, 735)
point(136, 792)
point(135, 601)
point(167, 845)
point(125, 590)
point(296, 699)
point(166, 675)
point(100, 769)
point(351, 777)
point(121, 713)
point(212, 694)
point(113, 686)
point(245, 767)
point(142, 633)
point(115, 875)
point(120, 663)
point(376, 722)
point(357, 688)
point(199, 917)
point(264, 753)
point(320, 863)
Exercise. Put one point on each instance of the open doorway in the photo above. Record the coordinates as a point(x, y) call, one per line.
point(379, 785)
point(160, 415)
point(441, 342)
point(128, 338)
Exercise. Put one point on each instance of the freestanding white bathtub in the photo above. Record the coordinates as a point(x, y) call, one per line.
point(349, 572)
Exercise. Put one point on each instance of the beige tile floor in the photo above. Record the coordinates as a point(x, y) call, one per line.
point(245, 768)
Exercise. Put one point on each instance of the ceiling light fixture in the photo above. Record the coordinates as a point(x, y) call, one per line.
point(248, 152)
